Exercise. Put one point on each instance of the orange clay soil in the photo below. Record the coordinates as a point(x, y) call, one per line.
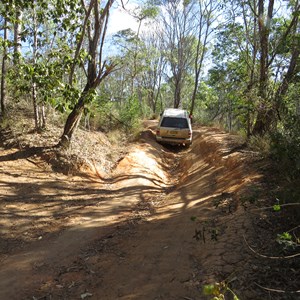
point(164, 223)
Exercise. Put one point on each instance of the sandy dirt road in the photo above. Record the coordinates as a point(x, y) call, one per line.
point(166, 222)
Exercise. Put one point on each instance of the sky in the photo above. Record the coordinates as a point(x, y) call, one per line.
point(120, 19)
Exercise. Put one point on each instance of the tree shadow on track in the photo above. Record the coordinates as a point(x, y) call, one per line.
point(24, 153)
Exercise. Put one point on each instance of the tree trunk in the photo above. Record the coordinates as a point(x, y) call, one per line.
point(283, 88)
point(17, 35)
point(34, 85)
point(3, 75)
point(72, 123)
point(265, 115)
point(42, 116)
point(97, 69)
point(177, 92)
point(35, 106)
point(263, 38)
point(206, 19)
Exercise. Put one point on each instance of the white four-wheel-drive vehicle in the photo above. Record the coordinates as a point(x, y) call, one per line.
point(174, 127)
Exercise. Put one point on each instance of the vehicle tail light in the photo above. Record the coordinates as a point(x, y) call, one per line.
point(190, 133)
point(157, 132)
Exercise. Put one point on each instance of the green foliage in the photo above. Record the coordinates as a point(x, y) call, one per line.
point(230, 105)
point(285, 239)
point(148, 11)
point(48, 64)
point(218, 291)
point(130, 113)
point(49, 79)
point(102, 114)
point(285, 147)
point(284, 236)
point(229, 96)
point(193, 218)
point(206, 104)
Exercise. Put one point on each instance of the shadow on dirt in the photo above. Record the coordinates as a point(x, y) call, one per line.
point(24, 153)
point(165, 223)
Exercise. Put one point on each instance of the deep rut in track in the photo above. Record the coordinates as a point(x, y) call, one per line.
point(162, 225)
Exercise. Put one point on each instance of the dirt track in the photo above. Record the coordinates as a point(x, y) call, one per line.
point(165, 223)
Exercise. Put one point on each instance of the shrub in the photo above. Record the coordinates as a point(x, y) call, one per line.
point(285, 147)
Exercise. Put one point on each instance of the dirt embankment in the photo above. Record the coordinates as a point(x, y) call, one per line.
point(164, 223)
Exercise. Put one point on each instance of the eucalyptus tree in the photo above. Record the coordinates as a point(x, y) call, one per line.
point(10, 14)
point(5, 14)
point(152, 75)
point(176, 31)
point(133, 51)
point(127, 82)
point(131, 54)
point(227, 106)
point(274, 24)
point(235, 53)
point(40, 69)
point(141, 14)
point(249, 49)
point(206, 15)
point(270, 50)
point(39, 113)
point(66, 39)
point(263, 35)
point(3, 66)
point(96, 68)
point(17, 31)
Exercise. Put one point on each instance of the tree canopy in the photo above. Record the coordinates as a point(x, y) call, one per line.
point(235, 62)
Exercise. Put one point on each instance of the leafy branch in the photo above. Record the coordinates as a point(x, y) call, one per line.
point(218, 290)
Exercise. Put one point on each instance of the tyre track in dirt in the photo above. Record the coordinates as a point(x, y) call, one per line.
point(129, 236)
point(163, 260)
point(34, 201)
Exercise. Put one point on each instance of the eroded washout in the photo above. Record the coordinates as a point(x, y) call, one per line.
point(166, 222)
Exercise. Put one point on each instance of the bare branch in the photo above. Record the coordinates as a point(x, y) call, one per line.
point(270, 257)
point(271, 207)
point(276, 290)
point(105, 20)
point(285, 34)
point(79, 44)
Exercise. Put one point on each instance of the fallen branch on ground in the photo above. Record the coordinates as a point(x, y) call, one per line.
point(272, 207)
point(270, 257)
point(275, 290)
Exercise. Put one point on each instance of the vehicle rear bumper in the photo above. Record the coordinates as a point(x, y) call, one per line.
point(173, 141)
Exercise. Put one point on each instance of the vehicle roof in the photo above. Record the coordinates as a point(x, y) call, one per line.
point(175, 112)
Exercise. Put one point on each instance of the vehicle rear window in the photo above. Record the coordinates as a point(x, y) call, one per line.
point(174, 122)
